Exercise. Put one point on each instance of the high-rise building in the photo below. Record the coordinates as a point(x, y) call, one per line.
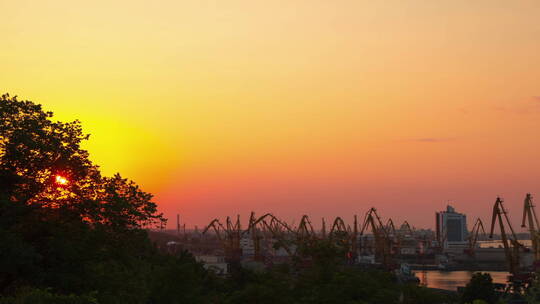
point(451, 228)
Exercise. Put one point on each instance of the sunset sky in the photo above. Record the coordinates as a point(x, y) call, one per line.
point(314, 107)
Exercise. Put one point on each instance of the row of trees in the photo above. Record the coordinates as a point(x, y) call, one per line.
point(70, 235)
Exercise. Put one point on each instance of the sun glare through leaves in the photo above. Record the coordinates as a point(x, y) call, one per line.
point(60, 180)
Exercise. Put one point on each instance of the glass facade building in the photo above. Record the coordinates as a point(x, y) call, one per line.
point(451, 227)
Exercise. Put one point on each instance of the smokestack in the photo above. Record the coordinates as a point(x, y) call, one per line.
point(178, 224)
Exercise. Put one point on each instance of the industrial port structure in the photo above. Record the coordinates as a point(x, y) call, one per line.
point(267, 240)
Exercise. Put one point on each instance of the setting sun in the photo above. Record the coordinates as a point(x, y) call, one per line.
point(61, 180)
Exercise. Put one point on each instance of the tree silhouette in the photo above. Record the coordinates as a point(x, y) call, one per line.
point(480, 288)
point(36, 152)
point(64, 227)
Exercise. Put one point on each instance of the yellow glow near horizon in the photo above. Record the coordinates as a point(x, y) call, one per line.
point(294, 106)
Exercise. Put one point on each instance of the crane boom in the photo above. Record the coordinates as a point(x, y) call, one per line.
point(382, 246)
point(529, 215)
point(473, 237)
point(510, 243)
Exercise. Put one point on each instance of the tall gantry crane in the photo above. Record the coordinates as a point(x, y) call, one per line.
point(398, 237)
point(323, 228)
point(219, 230)
point(473, 236)
point(530, 218)
point(305, 230)
point(338, 228)
point(353, 240)
point(394, 237)
point(346, 236)
point(278, 231)
point(511, 246)
point(382, 247)
point(235, 230)
point(407, 228)
point(509, 242)
point(390, 227)
point(228, 236)
point(256, 233)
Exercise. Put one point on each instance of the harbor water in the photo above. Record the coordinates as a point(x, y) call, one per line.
point(450, 280)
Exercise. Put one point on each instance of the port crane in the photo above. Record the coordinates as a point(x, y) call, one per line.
point(276, 229)
point(473, 236)
point(509, 242)
point(345, 236)
point(407, 228)
point(511, 246)
point(228, 236)
point(373, 220)
point(256, 233)
point(323, 228)
point(339, 229)
point(305, 231)
point(390, 227)
point(398, 237)
point(223, 235)
point(394, 237)
point(530, 220)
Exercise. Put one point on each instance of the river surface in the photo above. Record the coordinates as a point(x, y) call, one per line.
point(499, 244)
point(450, 280)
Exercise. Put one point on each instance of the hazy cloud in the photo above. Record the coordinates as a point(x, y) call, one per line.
point(530, 105)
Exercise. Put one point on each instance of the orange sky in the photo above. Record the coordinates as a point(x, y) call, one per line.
point(294, 107)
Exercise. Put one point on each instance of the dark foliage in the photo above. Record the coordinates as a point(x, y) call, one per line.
point(480, 288)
